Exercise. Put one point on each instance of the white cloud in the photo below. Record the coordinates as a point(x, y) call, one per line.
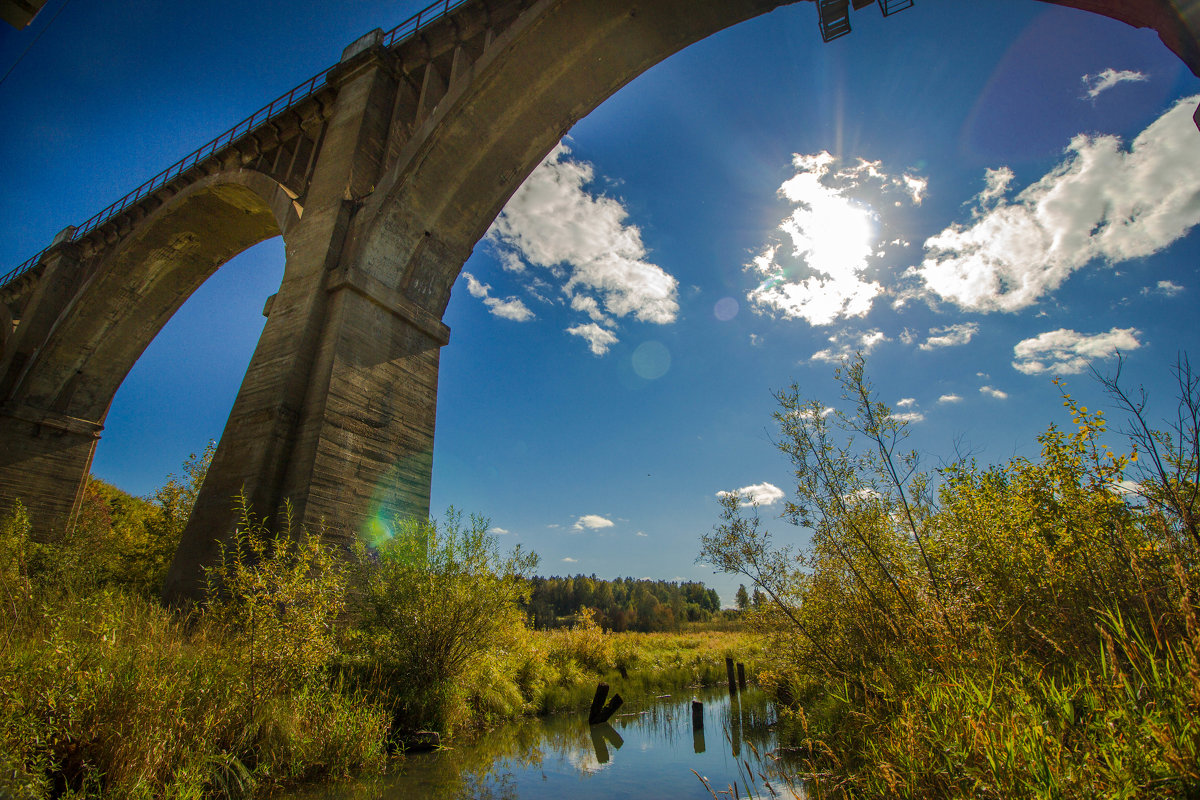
point(1167, 288)
point(592, 522)
point(906, 402)
point(598, 338)
point(585, 240)
point(512, 308)
point(1101, 202)
point(1103, 81)
point(1068, 352)
point(509, 308)
point(909, 416)
point(950, 398)
point(569, 560)
point(988, 391)
point(846, 344)
point(916, 188)
point(497, 530)
point(821, 277)
point(950, 335)
point(639, 533)
point(476, 288)
point(1128, 486)
point(588, 305)
point(763, 494)
point(996, 182)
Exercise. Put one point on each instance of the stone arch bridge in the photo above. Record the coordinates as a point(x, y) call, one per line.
point(381, 174)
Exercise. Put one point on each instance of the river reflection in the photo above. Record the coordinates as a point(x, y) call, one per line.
point(647, 752)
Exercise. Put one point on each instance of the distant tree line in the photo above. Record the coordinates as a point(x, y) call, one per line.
point(623, 604)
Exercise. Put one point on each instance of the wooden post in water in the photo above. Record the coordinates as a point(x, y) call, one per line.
point(697, 715)
point(598, 703)
point(741, 676)
point(729, 673)
point(601, 711)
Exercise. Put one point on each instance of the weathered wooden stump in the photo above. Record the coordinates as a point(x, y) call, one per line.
point(601, 711)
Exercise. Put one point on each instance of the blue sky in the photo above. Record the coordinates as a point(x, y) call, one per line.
point(982, 196)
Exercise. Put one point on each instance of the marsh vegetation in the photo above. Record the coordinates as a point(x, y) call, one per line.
point(301, 663)
point(1026, 629)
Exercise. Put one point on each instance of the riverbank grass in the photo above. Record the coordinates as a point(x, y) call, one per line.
point(299, 665)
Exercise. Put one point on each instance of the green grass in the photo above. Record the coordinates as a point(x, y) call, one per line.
point(283, 676)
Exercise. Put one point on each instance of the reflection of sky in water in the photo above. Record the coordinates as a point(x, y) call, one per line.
point(649, 751)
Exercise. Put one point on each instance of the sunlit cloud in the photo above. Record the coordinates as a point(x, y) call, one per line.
point(1101, 202)
point(1067, 352)
point(906, 402)
point(584, 241)
point(569, 560)
point(909, 416)
point(1165, 288)
point(497, 530)
point(1103, 81)
point(760, 494)
point(640, 533)
point(844, 345)
point(950, 336)
point(599, 339)
point(988, 391)
point(509, 308)
point(832, 234)
point(592, 522)
point(950, 398)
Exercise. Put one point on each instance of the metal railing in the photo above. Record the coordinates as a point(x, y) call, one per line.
point(397, 35)
point(429, 14)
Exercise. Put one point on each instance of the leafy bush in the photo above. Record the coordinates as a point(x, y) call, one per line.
point(950, 613)
point(430, 600)
point(277, 596)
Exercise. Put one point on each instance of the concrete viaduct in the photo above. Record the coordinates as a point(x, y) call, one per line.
point(381, 174)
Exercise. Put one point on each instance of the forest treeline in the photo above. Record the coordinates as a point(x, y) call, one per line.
point(621, 604)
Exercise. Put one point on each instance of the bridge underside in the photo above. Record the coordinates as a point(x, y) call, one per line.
point(380, 185)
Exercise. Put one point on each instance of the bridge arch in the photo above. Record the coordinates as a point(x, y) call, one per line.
point(144, 280)
point(70, 354)
point(420, 145)
point(368, 449)
point(556, 64)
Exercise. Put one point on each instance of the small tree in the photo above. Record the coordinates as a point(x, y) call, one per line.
point(742, 598)
point(431, 599)
point(279, 595)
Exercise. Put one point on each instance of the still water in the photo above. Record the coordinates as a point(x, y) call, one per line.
point(648, 751)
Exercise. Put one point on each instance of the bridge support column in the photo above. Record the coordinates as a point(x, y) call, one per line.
point(365, 448)
point(340, 394)
point(46, 454)
point(44, 464)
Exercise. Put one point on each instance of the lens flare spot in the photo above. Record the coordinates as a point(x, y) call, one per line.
point(378, 529)
point(651, 360)
point(725, 309)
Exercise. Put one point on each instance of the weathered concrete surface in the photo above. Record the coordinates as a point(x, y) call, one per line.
point(88, 320)
point(20, 13)
point(380, 185)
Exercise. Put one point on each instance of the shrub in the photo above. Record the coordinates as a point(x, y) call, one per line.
point(930, 628)
point(277, 596)
point(432, 599)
